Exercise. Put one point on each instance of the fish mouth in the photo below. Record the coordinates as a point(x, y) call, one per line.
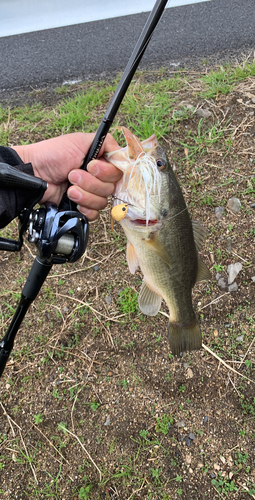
point(143, 222)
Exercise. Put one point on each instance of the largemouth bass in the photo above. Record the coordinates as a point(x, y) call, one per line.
point(161, 239)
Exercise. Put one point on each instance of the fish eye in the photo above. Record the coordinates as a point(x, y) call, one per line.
point(161, 163)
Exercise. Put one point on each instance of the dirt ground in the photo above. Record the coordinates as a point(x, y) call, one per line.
point(93, 404)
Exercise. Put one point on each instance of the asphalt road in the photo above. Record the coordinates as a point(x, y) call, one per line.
point(85, 50)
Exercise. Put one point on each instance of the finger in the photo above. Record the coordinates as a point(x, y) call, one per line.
point(86, 199)
point(86, 182)
point(90, 214)
point(104, 171)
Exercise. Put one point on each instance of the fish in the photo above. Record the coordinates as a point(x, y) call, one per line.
point(161, 238)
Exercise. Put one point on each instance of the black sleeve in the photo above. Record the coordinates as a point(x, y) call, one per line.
point(13, 201)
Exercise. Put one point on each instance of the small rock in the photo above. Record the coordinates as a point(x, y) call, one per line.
point(108, 300)
point(240, 338)
point(189, 373)
point(253, 279)
point(171, 430)
point(181, 423)
point(65, 309)
point(233, 287)
point(233, 271)
point(252, 205)
point(229, 244)
point(108, 421)
point(96, 268)
point(213, 475)
point(204, 113)
point(222, 283)
point(234, 204)
point(187, 441)
point(192, 436)
point(219, 212)
point(218, 276)
point(205, 420)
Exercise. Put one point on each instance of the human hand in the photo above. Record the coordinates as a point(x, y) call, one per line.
point(59, 159)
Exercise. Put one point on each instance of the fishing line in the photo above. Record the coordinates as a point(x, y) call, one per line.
point(114, 197)
point(179, 213)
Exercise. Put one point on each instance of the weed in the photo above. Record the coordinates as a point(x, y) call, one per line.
point(128, 301)
point(224, 485)
point(182, 388)
point(94, 405)
point(124, 383)
point(155, 473)
point(144, 434)
point(38, 418)
point(248, 407)
point(164, 423)
point(218, 267)
point(84, 492)
point(241, 458)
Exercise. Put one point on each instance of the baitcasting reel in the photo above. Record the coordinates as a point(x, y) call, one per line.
point(59, 235)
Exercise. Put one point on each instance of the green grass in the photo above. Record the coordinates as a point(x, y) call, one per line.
point(128, 301)
point(222, 81)
point(147, 108)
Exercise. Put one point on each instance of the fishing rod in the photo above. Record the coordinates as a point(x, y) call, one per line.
point(61, 233)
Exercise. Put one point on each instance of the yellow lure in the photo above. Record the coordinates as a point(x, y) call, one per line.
point(118, 213)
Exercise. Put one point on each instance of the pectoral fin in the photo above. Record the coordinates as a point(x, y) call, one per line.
point(157, 247)
point(132, 259)
point(148, 301)
point(203, 272)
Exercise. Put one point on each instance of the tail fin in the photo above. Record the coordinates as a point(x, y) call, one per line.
point(184, 337)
